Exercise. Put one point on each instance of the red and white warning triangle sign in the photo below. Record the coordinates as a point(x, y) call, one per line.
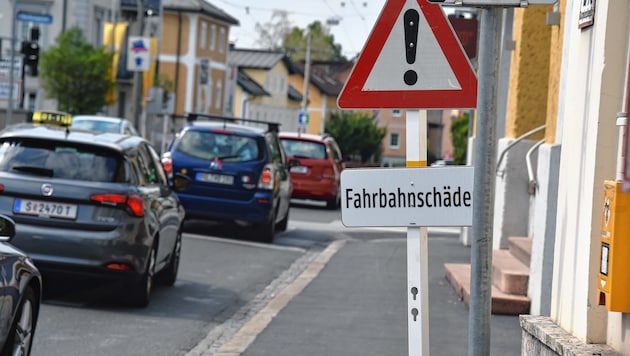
point(412, 60)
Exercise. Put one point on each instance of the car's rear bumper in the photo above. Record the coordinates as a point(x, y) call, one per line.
point(318, 190)
point(81, 252)
point(258, 209)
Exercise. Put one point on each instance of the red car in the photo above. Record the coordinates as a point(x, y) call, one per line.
point(316, 164)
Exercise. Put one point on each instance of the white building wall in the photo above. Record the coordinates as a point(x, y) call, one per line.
point(594, 71)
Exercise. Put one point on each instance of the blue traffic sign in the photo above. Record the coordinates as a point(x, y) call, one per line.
point(32, 17)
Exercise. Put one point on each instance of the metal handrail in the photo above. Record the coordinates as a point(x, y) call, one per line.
point(533, 184)
point(512, 144)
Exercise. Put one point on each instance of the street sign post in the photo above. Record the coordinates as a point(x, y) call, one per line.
point(412, 59)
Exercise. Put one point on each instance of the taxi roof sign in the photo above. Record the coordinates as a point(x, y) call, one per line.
point(52, 117)
point(411, 60)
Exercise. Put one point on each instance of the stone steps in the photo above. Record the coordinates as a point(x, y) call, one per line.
point(510, 277)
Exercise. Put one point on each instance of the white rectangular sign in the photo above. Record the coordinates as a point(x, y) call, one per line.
point(5, 67)
point(139, 54)
point(430, 196)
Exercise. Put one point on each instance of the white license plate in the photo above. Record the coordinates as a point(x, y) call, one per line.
point(215, 178)
point(299, 169)
point(45, 208)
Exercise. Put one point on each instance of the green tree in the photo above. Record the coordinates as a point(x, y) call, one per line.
point(278, 34)
point(76, 74)
point(323, 46)
point(459, 136)
point(357, 135)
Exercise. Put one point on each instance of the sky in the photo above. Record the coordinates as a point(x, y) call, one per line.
point(356, 18)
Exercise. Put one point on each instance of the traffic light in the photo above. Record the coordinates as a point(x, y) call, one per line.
point(30, 49)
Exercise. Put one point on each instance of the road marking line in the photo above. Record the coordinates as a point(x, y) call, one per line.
point(244, 243)
point(248, 333)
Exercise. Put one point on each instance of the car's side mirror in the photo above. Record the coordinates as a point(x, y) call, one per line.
point(7, 228)
point(180, 182)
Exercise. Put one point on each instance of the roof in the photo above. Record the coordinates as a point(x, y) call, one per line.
point(60, 133)
point(322, 79)
point(294, 94)
point(250, 85)
point(201, 6)
point(304, 136)
point(259, 59)
point(207, 124)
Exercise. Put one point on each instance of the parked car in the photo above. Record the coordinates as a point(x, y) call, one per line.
point(315, 165)
point(238, 173)
point(104, 124)
point(90, 203)
point(21, 290)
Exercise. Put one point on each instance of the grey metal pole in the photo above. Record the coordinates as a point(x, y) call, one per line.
point(138, 77)
point(483, 195)
point(12, 64)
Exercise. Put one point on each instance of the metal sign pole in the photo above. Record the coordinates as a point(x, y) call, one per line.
point(483, 195)
point(417, 245)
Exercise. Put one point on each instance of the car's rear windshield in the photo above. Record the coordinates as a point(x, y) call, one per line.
point(96, 125)
point(304, 149)
point(221, 145)
point(61, 160)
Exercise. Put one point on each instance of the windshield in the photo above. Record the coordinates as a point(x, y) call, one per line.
point(219, 145)
point(304, 149)
point(96, 125)
point(60, 160)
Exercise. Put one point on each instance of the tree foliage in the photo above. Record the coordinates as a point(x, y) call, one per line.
point(357, 135)
point(76, 74)
point(459, 136)
point(279, 34)
point(323, 46)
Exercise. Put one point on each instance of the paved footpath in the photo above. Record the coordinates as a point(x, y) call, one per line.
point(351, 300)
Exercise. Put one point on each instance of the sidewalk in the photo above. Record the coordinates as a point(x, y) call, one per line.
point(351, 300)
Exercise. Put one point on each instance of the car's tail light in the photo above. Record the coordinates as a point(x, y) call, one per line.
point(118, 267)
point(133, 202)
point(328, 173)
point(167, 163)
point(266, 179)
point(1, 188)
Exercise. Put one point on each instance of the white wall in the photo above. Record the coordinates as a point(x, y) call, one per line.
point(594, 62)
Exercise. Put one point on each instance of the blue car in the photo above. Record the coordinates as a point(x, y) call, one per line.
point(238, 173)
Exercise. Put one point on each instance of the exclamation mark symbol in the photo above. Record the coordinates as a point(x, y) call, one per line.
point(411, 19)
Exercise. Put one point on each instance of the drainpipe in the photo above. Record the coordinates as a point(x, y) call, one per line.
point(622, 122)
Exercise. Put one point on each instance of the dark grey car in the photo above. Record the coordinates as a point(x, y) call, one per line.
point(88, 203)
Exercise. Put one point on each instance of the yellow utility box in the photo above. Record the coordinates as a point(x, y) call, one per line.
point(614, 271)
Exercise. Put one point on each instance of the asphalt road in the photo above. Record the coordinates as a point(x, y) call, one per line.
point(330, 291)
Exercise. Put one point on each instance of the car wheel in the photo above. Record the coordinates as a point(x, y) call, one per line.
point(141, 291)
point(169, 275)
point(266, 230)
point(20, 338)
point(333, 204)
point(282, 225)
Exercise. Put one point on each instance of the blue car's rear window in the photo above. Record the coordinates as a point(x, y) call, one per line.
point(221, 145)
point(61, 160)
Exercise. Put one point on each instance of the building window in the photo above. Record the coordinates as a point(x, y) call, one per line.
point(202, 35)
point(221, 43)
point(394, 140)
point(99, 23)
point(213, 36)
point(396, 113)
point(218, 95)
